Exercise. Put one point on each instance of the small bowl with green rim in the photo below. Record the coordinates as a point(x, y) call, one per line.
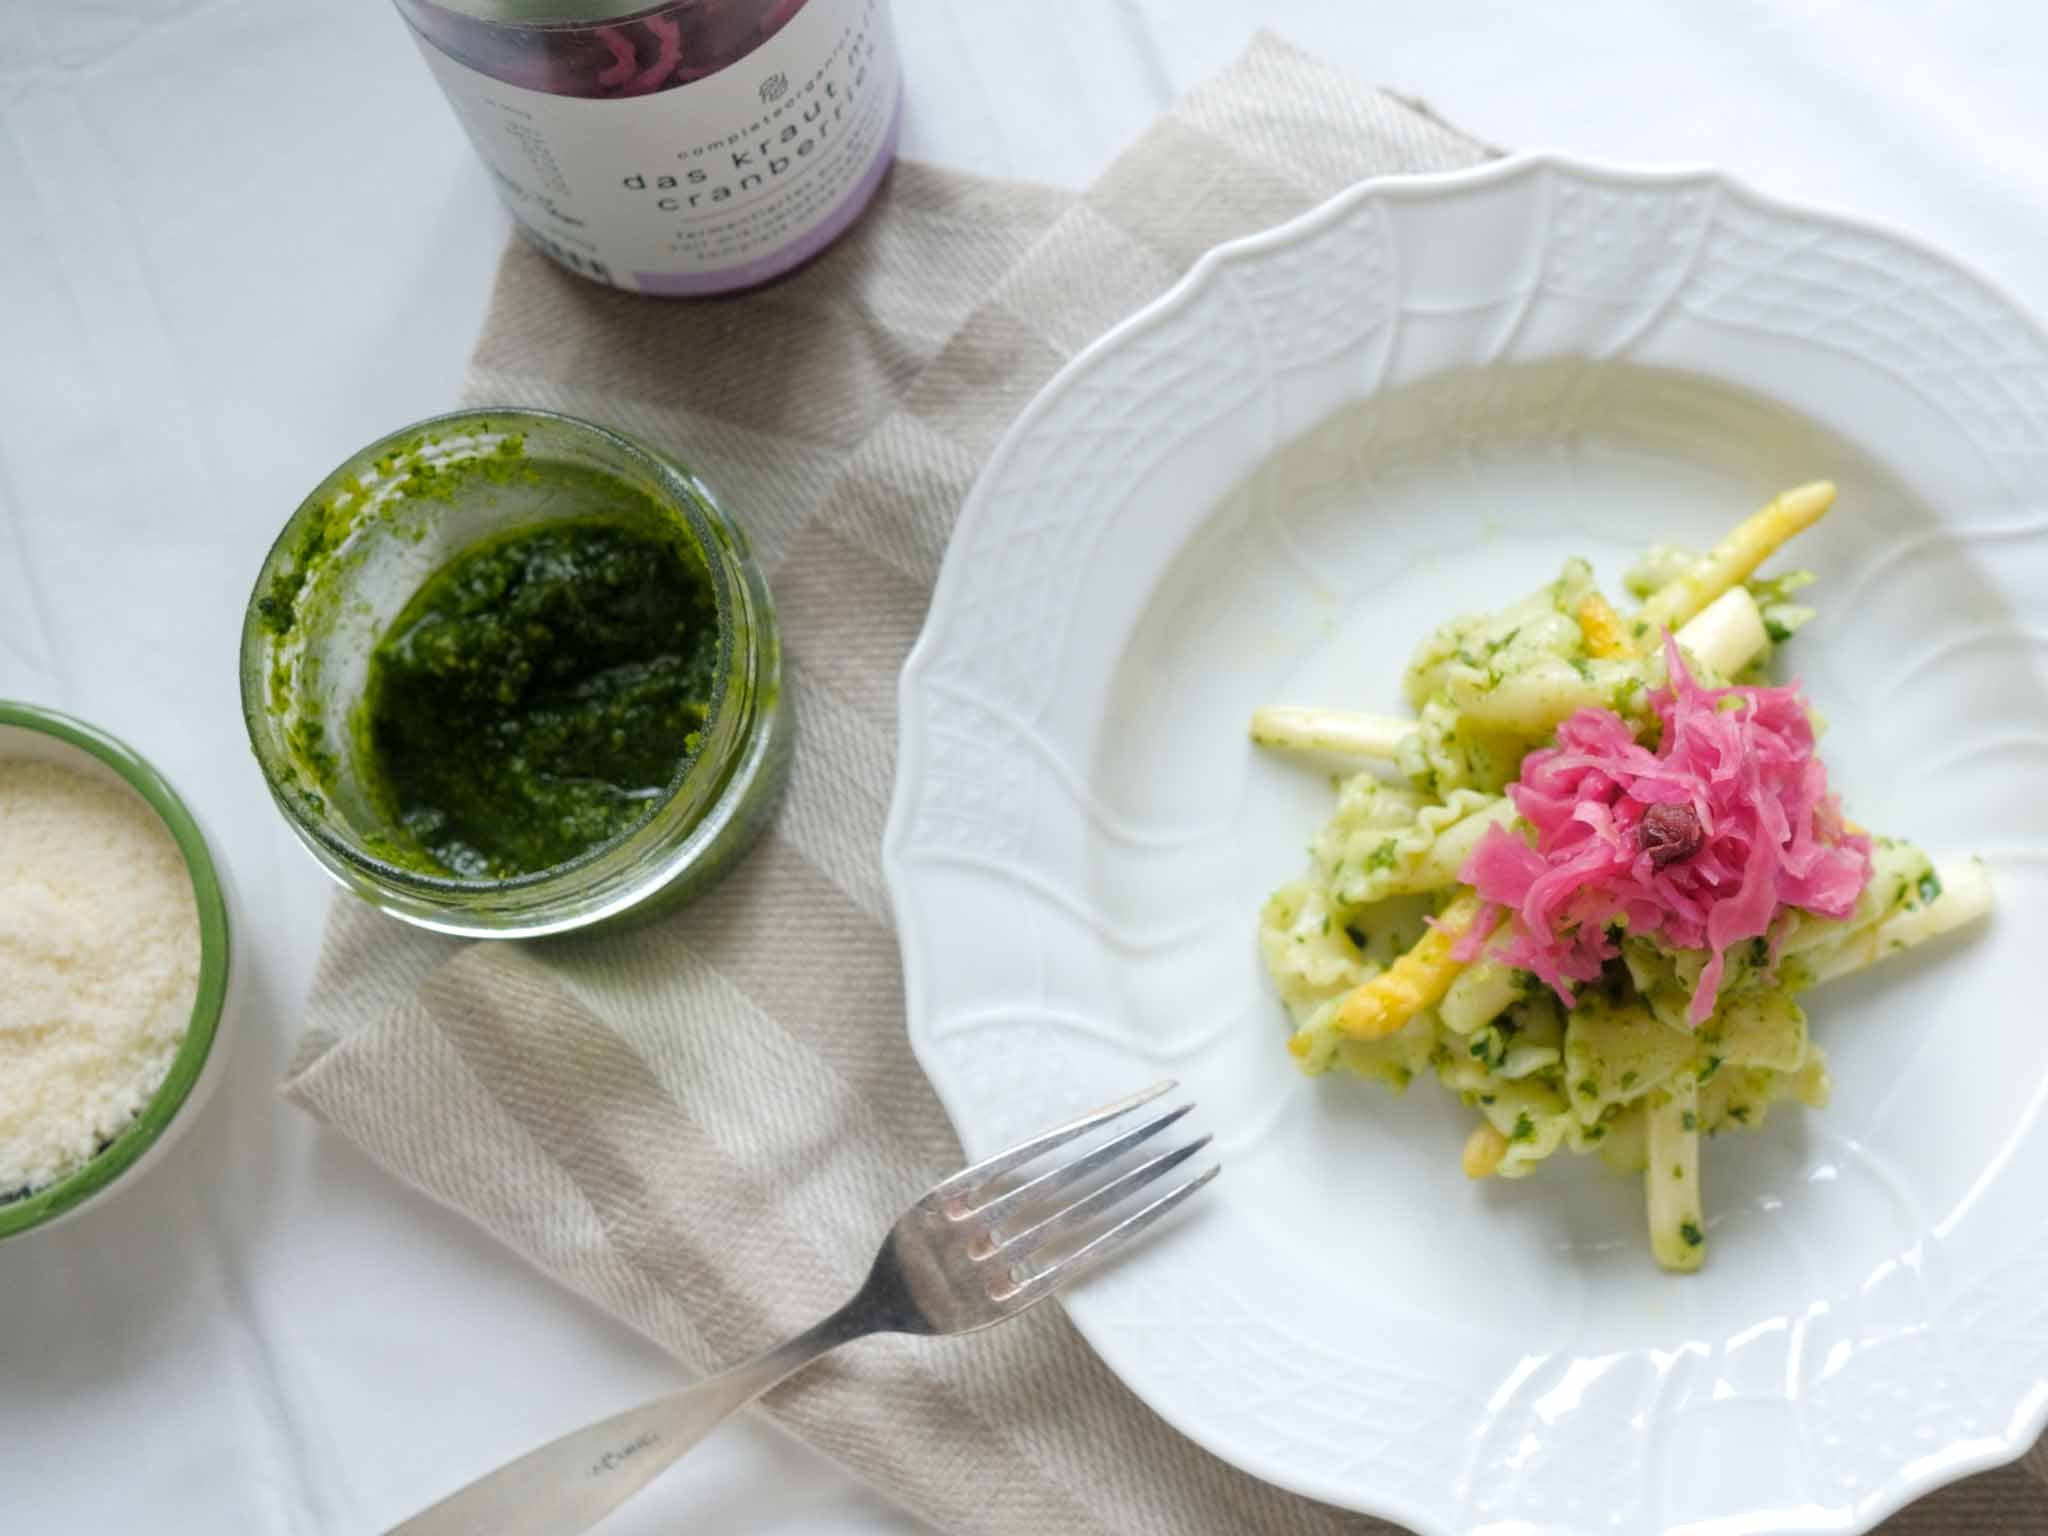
point(29, 731)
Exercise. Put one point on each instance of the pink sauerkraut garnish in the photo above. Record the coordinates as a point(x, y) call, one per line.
point(656, 49)
point(1702, 843)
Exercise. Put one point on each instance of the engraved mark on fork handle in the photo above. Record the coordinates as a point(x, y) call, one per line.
point(611, 1461)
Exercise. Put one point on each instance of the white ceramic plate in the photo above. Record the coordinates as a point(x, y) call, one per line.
point(1412, 402)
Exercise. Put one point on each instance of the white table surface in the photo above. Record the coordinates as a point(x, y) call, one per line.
point(240, 238)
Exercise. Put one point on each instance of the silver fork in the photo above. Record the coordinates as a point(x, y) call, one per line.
point(980, 1247)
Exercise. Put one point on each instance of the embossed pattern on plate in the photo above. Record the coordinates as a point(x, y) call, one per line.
point(1416, 401)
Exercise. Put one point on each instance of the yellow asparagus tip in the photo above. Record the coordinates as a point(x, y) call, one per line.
point(1735, 559)
point(1416, 981)
point(1602, 628)
point(1484, 1149)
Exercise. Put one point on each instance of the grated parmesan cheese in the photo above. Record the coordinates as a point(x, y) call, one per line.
point(99, 966)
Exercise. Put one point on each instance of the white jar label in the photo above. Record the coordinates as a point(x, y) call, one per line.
point(708, 186)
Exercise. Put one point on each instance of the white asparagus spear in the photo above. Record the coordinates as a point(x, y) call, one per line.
point(1735, 559)
point(1330, 730)
point(1727, 634)
point(1722, 637)
point(1965, 897)
point(1672, 1179)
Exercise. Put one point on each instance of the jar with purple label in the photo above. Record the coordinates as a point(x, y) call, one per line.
point(691, 147)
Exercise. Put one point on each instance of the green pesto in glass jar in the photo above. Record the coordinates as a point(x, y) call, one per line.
point(511, 675)
point(540, 692)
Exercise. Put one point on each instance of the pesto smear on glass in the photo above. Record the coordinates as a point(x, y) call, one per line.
point(541, 692)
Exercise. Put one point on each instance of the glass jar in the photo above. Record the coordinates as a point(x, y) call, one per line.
point(688, 147)
point(355, 553)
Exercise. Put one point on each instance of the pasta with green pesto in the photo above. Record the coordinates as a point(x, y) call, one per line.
point(1587, 884)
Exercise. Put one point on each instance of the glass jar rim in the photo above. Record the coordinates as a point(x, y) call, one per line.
point(446, 903)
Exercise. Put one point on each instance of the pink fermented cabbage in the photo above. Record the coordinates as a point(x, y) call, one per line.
point(654, 49)
point(1701, 843)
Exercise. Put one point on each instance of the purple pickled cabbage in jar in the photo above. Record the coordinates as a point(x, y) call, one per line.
point(695, 147)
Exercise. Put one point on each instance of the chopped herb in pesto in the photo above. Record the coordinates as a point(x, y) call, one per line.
point(1525, 1128)
point(1692, 1235)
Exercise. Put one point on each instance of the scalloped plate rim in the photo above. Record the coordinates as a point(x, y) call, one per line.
point(1898, 1490)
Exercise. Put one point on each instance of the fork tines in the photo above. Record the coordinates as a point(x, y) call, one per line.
point(1048, 1226)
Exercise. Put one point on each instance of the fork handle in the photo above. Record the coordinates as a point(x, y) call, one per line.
point(570, 1484)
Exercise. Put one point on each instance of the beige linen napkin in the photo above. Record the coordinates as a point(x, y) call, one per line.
point(705, 1125)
